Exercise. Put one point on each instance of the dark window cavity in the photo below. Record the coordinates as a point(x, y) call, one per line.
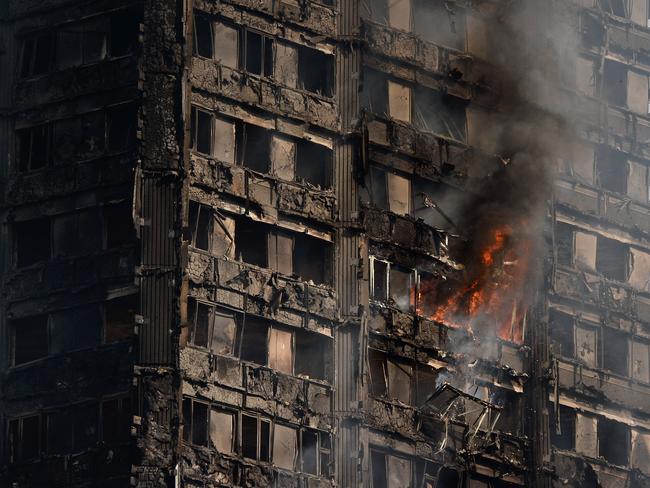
point(615, 351)
point(203, 37)
point(314, 164)
point(122, 123)
point(611, 167)
point(30, 338)
point(257, 53)
point(316, 71)
point(254, 144)
point(615, 83)
point(118, 225)
point(563, 427)
point(34, 148)
point(613, 441)
point(201, 131)
point(32, 240)
point(119, 317)
point(611, 258)
point(38, 55)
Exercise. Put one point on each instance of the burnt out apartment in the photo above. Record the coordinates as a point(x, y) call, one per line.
point(325, 243)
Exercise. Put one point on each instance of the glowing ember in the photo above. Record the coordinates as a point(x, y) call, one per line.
point(494, 294)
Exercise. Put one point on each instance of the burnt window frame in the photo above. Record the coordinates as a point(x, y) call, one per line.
point(70, 415)
point(322, 451)
point(213, 309)
point(193, 227)
point(195, 43)
point(194, 129)
point(242, 133)
point(601, 421)
point(265, 71)
point(130, 295)
point(384, 358)
point(413, 277)
point(312, 55)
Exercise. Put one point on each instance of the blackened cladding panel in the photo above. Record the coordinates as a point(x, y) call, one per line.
point(157, 305)
point(158, 214)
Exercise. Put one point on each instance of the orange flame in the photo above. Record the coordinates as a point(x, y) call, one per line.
point(495, 293)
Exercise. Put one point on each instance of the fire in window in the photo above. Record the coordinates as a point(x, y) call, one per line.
point(37, 55)
point(255, 438)
point(34, 148)
point(211, 327)
point(257, 53)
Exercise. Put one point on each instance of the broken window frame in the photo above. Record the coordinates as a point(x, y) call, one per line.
point(112, 302)
point(414, 282)
point(601, 421)
point(212, 310)
point(193, 227)
point(194, 129)
point(389, 393)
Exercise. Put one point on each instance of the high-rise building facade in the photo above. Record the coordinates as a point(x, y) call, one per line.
point(308, 244)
